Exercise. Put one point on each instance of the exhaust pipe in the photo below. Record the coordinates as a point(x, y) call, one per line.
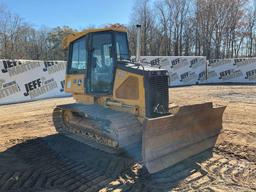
point(138, 43)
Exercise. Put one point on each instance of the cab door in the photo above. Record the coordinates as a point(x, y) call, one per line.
point(76, 73)
point(101, 63)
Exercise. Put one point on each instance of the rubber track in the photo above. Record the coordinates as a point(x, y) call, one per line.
point(50, 170)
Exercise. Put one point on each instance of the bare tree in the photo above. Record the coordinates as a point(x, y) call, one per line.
point(143, 14)
point(215, 29)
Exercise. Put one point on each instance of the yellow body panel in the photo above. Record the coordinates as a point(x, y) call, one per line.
point(122, 76)
point(75, 84)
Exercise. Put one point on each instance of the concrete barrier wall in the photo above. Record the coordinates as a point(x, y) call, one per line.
point(27, 80)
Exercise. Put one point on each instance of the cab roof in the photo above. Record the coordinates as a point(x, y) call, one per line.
point(74, 36)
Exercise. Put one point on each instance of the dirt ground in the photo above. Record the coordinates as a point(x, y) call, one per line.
point(33, 157)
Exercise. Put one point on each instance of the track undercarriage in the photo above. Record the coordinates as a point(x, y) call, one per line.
point(99, 127)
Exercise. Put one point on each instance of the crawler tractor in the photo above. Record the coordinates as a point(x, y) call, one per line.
point(120, 103)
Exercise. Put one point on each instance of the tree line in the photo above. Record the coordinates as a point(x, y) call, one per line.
point(215, 29)
point(19, 40)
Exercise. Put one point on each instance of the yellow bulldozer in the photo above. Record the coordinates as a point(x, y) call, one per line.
point(121, 104)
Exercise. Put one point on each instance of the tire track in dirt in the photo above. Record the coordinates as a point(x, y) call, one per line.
point(241, 145)
point(49, 169)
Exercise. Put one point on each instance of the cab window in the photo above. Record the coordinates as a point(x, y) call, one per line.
point(122, 49)
point(78, 57)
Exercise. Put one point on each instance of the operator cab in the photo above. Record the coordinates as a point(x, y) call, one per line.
point(95, 55)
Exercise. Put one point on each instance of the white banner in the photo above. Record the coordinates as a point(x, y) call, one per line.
point(27, 80)
point(239, 70)
point(183, 70)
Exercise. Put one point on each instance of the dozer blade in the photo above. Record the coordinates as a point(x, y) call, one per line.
point(171, 139)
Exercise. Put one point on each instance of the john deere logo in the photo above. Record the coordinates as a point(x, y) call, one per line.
point(54, 66)
point(14, 67)
point(39, 87)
